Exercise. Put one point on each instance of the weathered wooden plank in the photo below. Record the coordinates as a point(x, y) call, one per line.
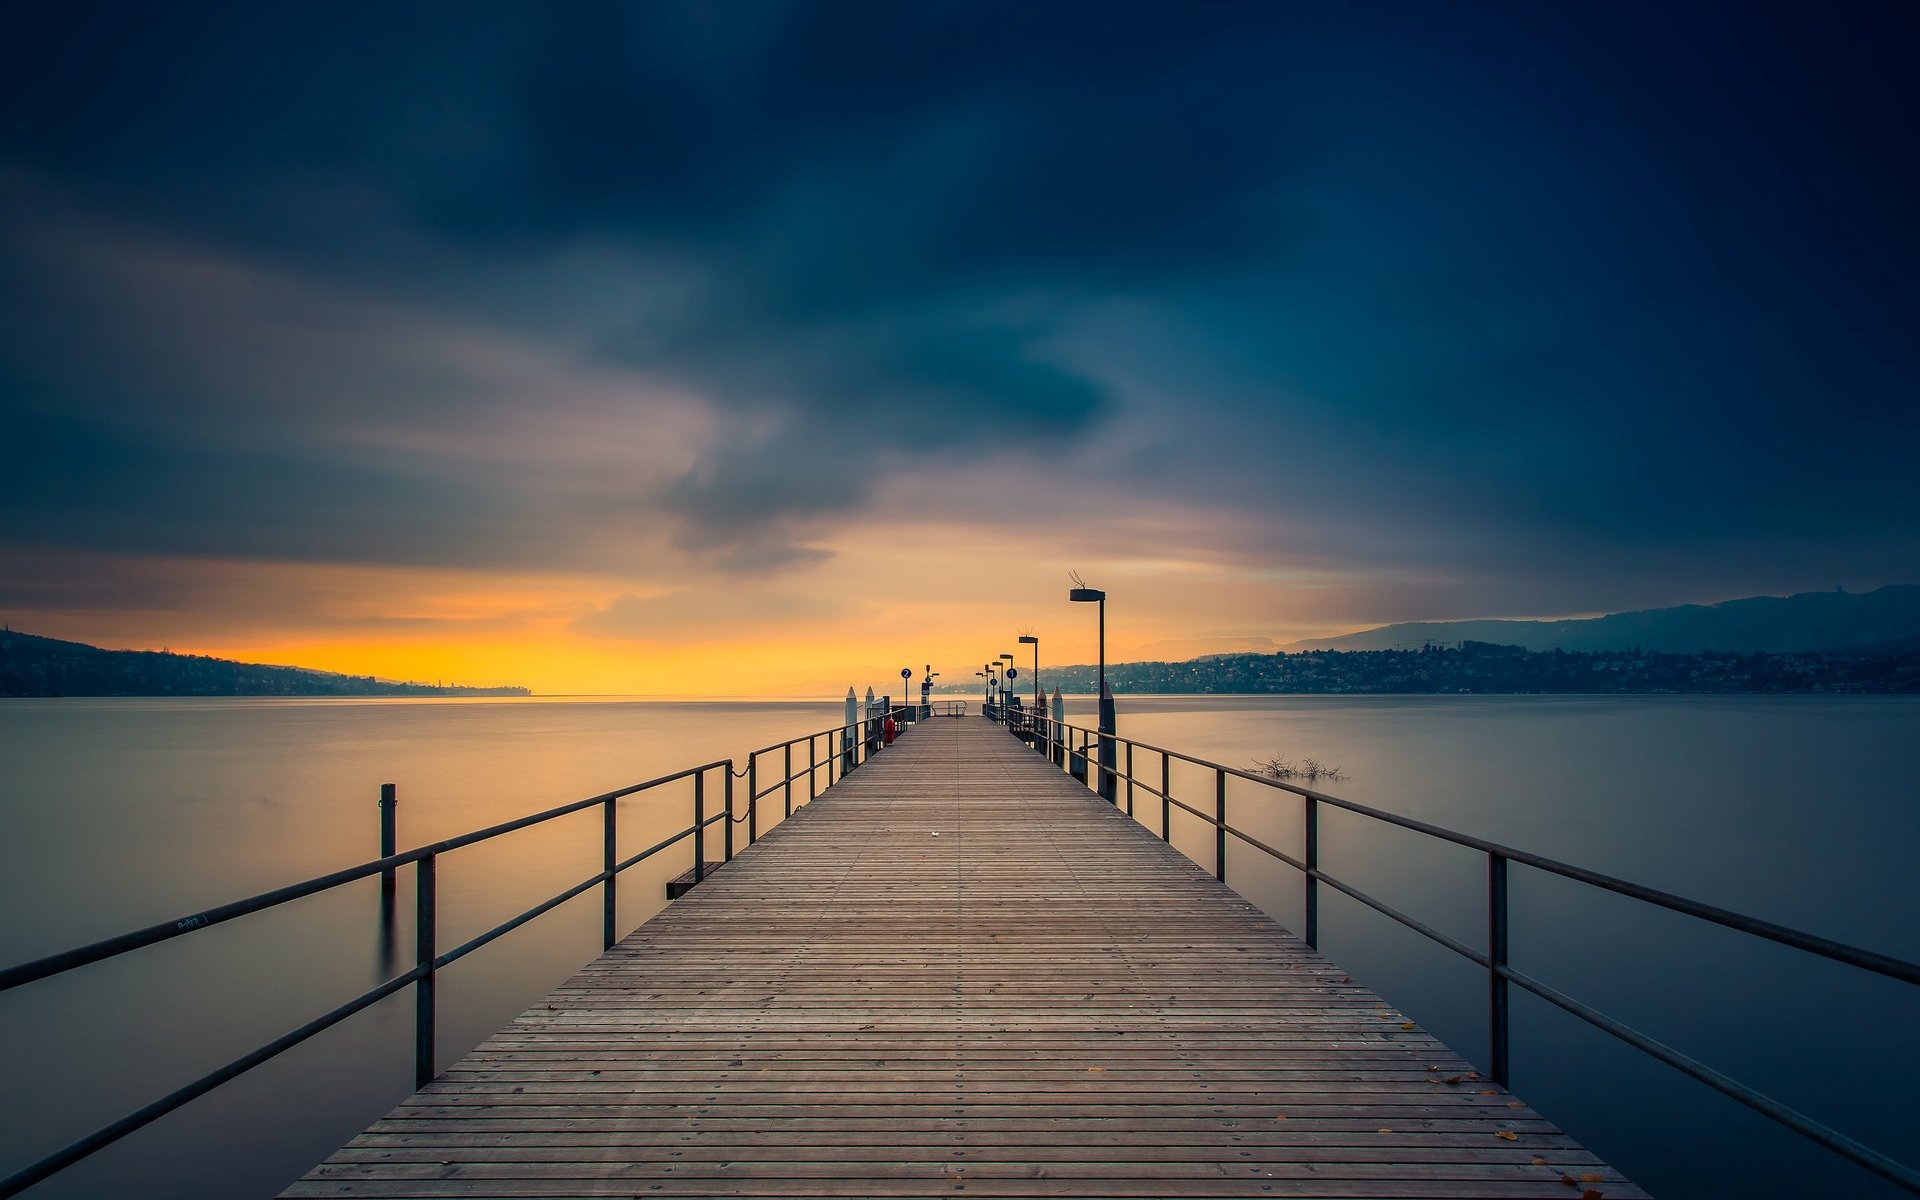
point(958, 972)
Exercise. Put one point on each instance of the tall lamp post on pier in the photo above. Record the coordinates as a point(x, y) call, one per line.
point(1082, 594)
point(1027, 639)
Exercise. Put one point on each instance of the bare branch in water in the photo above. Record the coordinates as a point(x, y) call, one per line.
point(1310, 769)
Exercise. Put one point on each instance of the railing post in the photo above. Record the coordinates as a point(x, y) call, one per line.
point(813, 768)
point(1312, 848)
point(1220, 824)
point(1497, 958)
point(728, 823)
point(699, 826)
point(787, 799)
point(608, 899)
point(1166, 798)
point(426, 893)
point(753, 797)
point(1129, 778)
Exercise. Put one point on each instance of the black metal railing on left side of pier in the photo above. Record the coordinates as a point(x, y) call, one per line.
point(1076, 749)
point(829, 752)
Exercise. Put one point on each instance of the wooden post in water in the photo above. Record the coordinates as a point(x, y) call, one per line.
point(388, 802)
point(1059, 719)
point(847, 734)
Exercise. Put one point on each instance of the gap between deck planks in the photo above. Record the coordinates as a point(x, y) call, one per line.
point(1042, 1000)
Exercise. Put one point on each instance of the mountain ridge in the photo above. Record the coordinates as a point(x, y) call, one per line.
point(1803, 622)
point(32, 665)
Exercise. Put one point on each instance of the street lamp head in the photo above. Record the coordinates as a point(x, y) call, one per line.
point(1086, 595)
point(1027, 639)
point(1008, 657)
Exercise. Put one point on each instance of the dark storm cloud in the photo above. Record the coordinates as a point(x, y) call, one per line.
point(872, 217)
point(1491, 279)
point(85, 486)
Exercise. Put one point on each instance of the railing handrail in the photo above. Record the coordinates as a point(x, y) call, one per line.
point(80, 956)
point(421, 976)
point(1813, 943)
point(1061, 736)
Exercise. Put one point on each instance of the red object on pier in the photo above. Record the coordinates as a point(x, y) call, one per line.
point(888, 729)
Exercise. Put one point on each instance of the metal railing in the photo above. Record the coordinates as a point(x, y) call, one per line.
point(856, 743)
point(1075, 748)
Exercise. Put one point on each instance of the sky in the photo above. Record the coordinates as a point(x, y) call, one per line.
point(751, 348)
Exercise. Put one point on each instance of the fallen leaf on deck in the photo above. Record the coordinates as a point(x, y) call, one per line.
point(1095, 1070)
point(1592, 1194)
point(1451, 1081)
point(1510, 1103)
point(1591, 1177)
point(1507, 1135)
point(1539, 1162)
point(1408, 1025)
point(1384, 1129)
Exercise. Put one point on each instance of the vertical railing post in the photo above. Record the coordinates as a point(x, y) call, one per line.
point(728, 823)
point(1166, 797)
point(1220, 824)
point(608, 900)
point(787, 801)
point(813, 768)
point(1312, 859)
point(1497, 959)
point(699, 826)
point(753, 797)
point(426, 894)
point(1129, 778)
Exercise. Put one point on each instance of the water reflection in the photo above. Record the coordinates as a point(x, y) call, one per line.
point(123, 813)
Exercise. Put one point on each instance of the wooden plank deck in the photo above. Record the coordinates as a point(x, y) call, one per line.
point(959, 973)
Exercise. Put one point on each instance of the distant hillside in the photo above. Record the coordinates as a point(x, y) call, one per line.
point(1810, 621)
point(1484, 669)
point(39, 666)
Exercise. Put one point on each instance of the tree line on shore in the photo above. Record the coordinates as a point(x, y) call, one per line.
point(1482, 667)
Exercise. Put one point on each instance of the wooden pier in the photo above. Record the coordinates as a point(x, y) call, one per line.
point(958, 972)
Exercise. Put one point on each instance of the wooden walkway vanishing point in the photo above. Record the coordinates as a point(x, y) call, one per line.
point(958, 972)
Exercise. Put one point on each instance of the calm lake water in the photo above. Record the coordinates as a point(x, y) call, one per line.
point(122, 813)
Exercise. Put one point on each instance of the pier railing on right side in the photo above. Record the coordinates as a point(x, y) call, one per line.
point(1077, 750)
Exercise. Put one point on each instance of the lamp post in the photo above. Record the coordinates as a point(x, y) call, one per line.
point(1027, 639)
point(1108, 749)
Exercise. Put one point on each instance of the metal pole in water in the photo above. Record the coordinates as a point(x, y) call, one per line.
point(1059, 719)
point(1109, 749)
point(847, 734)
point(389, 801)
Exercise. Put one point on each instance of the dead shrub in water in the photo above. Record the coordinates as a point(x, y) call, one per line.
point(1311, 770)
